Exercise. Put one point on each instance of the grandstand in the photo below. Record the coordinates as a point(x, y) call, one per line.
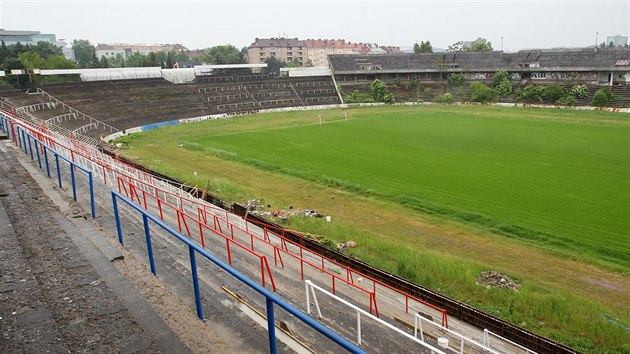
point(99, 108)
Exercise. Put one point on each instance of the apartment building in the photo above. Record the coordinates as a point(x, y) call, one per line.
point(315, 52)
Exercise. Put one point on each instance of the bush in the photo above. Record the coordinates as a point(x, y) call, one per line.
point(600, 99)
point(554, 92)
point(444, 98)
point(499, 77)
point(533, 93)
point(504, 88)
point(380, 92)
point(415, 83)
point(567, 100)
point(428, 91)
point(579, 91)
point(455, 79)
point(357, 97)
point(482, 93)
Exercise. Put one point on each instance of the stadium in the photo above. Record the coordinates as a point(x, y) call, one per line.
point(362, 225)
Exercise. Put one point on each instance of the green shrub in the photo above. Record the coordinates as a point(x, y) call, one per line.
point(567, 100)
point(499, 77)
point(533, 93)
point(357, 97)
point(380, 92)
point(455, 79)
point(482, 93)
point(444, 98)
point(428, 91)
point(415, 83)
point(554, 92)
point(600, 99)
point(579, 91)
point(504, 88)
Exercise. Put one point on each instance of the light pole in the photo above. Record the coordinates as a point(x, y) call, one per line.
point(596, 37)
point(501, 44)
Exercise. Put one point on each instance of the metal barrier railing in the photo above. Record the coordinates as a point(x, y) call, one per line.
point(310, 291)
point(29, 143)
point(194, 249)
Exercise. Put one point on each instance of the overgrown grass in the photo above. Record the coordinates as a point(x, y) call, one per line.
point(548, 310)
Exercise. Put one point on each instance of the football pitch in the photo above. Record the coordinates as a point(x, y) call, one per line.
point(556, 178)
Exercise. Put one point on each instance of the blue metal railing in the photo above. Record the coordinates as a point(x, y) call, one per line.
point(31, 146)
point(194, 249)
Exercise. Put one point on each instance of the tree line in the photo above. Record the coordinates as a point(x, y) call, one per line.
point(478, 45)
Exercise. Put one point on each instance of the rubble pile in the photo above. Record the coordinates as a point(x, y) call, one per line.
point(492, 279)
point(258, 207)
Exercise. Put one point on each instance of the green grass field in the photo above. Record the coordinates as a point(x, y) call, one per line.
point(564, 184)
point(437, 194)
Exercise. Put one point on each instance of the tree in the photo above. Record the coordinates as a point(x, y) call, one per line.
point(4, 52)
point(46, 49)
point(60, 62)
point(423, 47)
point(221, 54)
point(152, 60)
point(294, 64)
point(457, 47)
point(32, 60)
point(501, 83)
point(380, 92)
point(84, 52)
point(611, 44)
point(480, 45)
point(169, 61)
point(482, 93)
point(273, 65)
point(104, 63)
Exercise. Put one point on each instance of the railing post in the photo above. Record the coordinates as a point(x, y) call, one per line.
point(359, 327)
point(193, 269)
point(58, 170)
point(39, 158)
point(46, 160)
point(147, 234)
point(271, 327)
point(74, 184)
point(92, 204)
point(117, 217)
point(30, 147)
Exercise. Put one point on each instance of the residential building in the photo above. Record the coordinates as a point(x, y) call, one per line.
point(319, 49)
point(617, 41)
point(124, 49)
point(283, 49)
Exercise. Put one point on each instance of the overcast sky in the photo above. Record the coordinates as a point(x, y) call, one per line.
point(201, 24)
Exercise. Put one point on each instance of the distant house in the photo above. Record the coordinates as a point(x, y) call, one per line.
point(124, 49)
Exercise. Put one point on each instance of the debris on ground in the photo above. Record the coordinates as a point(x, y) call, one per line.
point(492, 279)
point(341, 247)
point(258, 207)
